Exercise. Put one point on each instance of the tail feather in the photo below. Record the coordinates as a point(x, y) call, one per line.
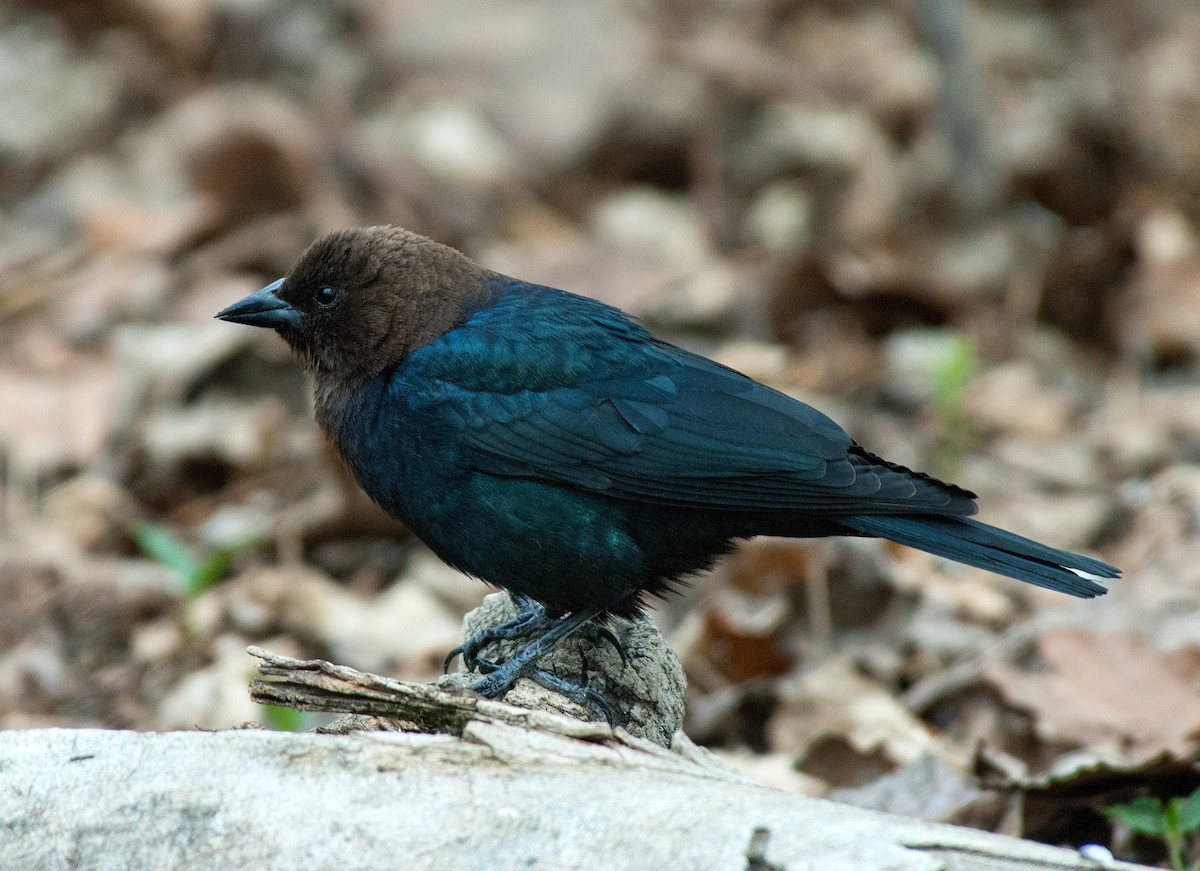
point(987, 547)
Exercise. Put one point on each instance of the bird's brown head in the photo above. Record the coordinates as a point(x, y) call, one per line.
point(358, 301)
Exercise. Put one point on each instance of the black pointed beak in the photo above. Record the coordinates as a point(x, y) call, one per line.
point(263, 309)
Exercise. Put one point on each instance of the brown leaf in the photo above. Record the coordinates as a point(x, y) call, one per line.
point(741, 634)
point(1090, 689)
point(54, 422)
point(845, 728)
point(930, 788)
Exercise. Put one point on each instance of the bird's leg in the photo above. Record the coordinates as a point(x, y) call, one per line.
point(530, 614)
point(522, 663)
point(529, 620)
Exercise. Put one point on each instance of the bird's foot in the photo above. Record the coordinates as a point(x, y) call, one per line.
point(580, 693)
point(500, 678)
point(530, 621)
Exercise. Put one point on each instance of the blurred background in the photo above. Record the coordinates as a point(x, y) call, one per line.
point(966, 230)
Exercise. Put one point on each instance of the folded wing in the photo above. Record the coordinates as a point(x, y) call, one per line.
point(623, 414)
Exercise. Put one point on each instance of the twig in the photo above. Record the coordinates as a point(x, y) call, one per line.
point(317, 685)
point(927, 692)
point(977, 185)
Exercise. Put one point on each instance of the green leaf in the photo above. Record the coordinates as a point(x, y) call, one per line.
point(1189, 812)
point(283, 719)
point(197, 576)
point(1146, 815)
point(166, 550)
point(954, 371)
point(214, 568)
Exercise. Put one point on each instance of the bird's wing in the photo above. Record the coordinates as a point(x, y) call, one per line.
point(594, 402)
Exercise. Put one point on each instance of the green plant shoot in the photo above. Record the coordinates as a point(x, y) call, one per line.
point(1172, 821)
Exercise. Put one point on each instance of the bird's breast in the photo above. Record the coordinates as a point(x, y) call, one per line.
point(397, 449)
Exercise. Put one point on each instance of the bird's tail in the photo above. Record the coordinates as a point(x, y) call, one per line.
point(987, 547)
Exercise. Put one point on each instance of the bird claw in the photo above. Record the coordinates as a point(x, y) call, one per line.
point(528, 617)
point(549, 631)
point(580, 693)
point(530, 620)
point(595, 632)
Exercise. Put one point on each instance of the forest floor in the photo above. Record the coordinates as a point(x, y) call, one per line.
point(974, 243)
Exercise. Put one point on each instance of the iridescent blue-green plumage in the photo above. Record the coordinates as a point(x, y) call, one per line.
point(550, 445)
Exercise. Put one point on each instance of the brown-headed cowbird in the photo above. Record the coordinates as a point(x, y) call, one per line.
point(550, 445)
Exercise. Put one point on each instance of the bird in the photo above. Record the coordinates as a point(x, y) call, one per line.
point(551, 445)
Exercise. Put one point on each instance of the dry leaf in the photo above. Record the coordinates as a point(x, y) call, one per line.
point(1088, 689)
point(845, 727)
point(48, 423)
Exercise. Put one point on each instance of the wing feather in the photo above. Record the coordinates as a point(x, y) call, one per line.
point(619, 412)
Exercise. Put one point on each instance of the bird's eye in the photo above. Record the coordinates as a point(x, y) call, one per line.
point(327, 297)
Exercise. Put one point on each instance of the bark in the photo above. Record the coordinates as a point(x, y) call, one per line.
point(513, 789)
